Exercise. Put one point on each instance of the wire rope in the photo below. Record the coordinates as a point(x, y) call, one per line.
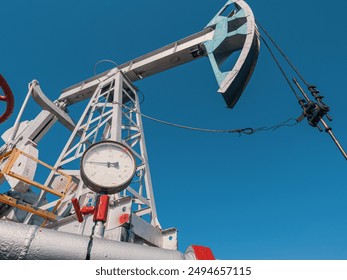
point(280, 68)
point(247, 130)
point(283, 54)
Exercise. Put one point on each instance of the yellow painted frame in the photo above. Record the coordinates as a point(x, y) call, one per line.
point(12, 157)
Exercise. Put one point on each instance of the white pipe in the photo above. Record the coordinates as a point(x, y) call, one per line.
point(28, 242)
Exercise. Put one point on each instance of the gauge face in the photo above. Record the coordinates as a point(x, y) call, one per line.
point(107, 166)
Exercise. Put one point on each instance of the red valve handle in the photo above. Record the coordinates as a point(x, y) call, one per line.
point(8, 98)
point(100, 210)
point(77, 208)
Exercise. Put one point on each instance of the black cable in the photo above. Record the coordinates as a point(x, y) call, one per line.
point(282, 53)
point(143, 97)
point(90, 243)
point(240, 131)
point(91, 237)
point(281, 69)
point(101, 61)
point(275, 127)
point(243, 130)
point(247, 130)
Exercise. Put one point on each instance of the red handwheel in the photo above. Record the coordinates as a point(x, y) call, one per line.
point(8, 98)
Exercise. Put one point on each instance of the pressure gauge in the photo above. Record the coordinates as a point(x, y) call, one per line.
point(107, 167)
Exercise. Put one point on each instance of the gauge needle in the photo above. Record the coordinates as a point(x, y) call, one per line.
point(108, 164)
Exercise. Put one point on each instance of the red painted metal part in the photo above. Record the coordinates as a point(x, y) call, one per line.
point(203, 253)
point(101, 208)
point(124, 219)
point(8, 98)
point(86, 210)
point(77, 208)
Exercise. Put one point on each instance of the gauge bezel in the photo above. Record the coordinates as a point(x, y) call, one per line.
point(98, 188)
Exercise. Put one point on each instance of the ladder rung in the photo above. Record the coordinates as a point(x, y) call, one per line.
point(27, 207)
point(38, 185)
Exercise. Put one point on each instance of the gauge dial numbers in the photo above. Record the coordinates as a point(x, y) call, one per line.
point(107, 167)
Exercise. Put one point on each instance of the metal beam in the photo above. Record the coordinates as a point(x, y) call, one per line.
point(224, 36)
point(48, 105)
point(162, 59)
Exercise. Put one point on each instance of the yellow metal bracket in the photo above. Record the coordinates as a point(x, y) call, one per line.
point(11, 158)
point(27, 207)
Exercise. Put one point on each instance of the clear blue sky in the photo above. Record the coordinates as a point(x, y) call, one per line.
point(271, 195)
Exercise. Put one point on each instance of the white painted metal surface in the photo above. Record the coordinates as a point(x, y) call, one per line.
point(26, 242)
point(112, 114)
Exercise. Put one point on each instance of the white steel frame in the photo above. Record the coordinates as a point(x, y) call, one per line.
point(113, 113)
